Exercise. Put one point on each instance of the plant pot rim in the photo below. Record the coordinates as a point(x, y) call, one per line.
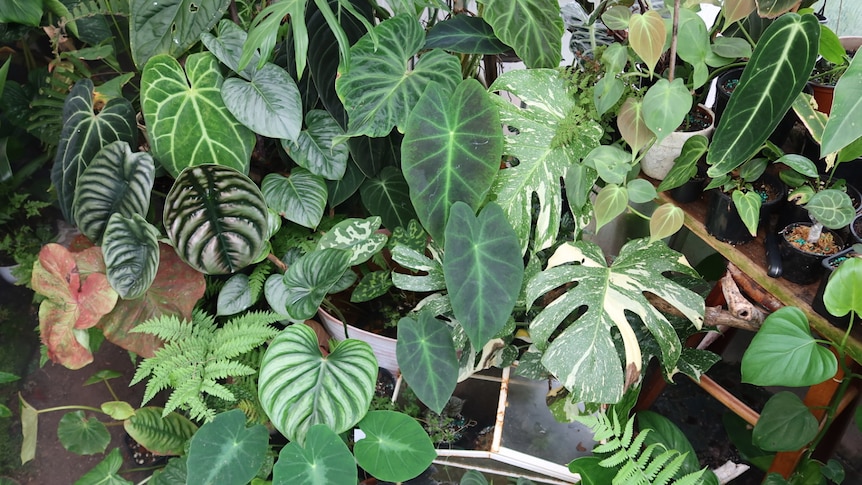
point(835, 237)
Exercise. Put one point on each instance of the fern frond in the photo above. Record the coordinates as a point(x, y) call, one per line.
point(213, 388)
point(663, 476)
point(691, 479)
point(257, 279)
point(244, 333)
point(221, 369)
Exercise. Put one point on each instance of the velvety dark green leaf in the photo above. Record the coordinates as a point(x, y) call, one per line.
point(465, 34)
point(300, 197)
point(685, 165)
point(426, 343)
point(81, 435)
point(216, 218)
point(783, 353)
point(170, 26)
point(451, 151)
point(395, 447)
point(372, 155)
point(314, 148)
point(27, 12)
point(226, 452)
point(843, 294)
point(306, 282)
point(131, 250)
point(785, 424)
point(166, 435)
point(388, 196)
point(105, 473)
point(340, 191)
point(324, 459)
point(533, 28)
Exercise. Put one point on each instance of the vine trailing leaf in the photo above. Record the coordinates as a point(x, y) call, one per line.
point(198, 355)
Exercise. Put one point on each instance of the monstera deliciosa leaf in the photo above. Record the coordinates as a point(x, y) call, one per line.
point(534, 28)
point(216, 219)
point(170, 26)
point(84, 134)
point(451, 151)
point(187, 120)
point(582, 356)
point(300, 387)
point(544, 155)
point(377, 87)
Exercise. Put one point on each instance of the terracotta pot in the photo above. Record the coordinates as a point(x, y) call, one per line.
point(658, 160)
point(823, 93)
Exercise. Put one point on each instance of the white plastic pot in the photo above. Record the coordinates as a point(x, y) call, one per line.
point(659, 159)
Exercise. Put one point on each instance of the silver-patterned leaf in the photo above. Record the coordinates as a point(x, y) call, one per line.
point(269, 104)
point(314, 148)
point(306, 282)
point(131, 249)
point(300, 198)
point(533, 27)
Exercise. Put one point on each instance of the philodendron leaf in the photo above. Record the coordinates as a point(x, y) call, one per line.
point(647, 35)
point(533, 27)
point(27, 13)
point(607, 92)
point(465, 34)
point(131, 252)
point(395, 447)
point(306, 282)
point(163, 435)
point(227, 47)
point(777, 72)
point(841, 128)
point(693, 45)
point(685, 165)
point(607, 293)
point(451, 151)
point(81, 435)
point(170, 26)
point(226, 452)
point(388, 196)
point(633, 128)
point(216, 218)
point(187, 120)
point(299, 198)
point(360, 236)
point(105, 473)
point(268, 103)
point(235, 295)
point(544, 158)
point(842, 294)
point(640, 191)
point(426, 343)
point(617, 17)
point(299, 387)
point(665, 106)
point(377, 87)
point(324, 459)
point(783, 353)
point(665, 221)
point(785, 424)
point(84, 134)
point(611, 201)
point(611, 162)
point(315, 148)
point(748, 205)
point(832, 208)
point(737, 10)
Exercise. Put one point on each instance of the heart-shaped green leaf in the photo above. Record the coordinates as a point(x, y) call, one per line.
point(842, 128)
point(299, 198)
point(27, 13)
point(324, 459)
point(465, 34)
point(665, 221)
point(187, 120)
point(533, 28)
point(640, 191)
point(165, 435)
point(306, 282)
point(693, 44)
point(427, 345)
point(783, 353)
point(225, 452)
point(831, 207)
point(118, 409)
point(843, 294)
point(611, 201)
point(734, 10)
point(299, 387)
point(647, 35)
point(633, 128)
point(315, 148)
point(665, 106)
point(395, 447)
point(607, 93)
point(268, 104)
point(451, 151)
point(748, 204)
point(361, 236)
point(666, 433)
point(785, 424)
point(105, 473)
point(227, 47)
point(235, 295)
point(131, 252)
point(116, 181)
point(388, 196)
point(170, 26)
point(81, 435)
point(617, 17)
point(216, 218)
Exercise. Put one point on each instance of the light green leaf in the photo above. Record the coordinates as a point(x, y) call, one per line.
point(395, 447)
point(227, 47)
point(748, 205)
point(830, 46)
point(324, 459)
point(434, 280)
point(315, 148)
point(843, 127)
point(131, 250)
point(607, 93)
point(640, 191)
point(611, 201)
point(299, 198)
point(773, 8)
point(81, 435)
point(832, 208)
point(235, 295)
point(534, 28)
point(118, 410)
point(268, 104)
point(633, 128)
point(29, 430)
point(665, 221)
point(617, 17)
point(426, 343)
point(27, 12)
point(170, 26)
point(226, 452)
point(647, 34)
point(665, 106)
point(611, 162)
point(843, 294)
point(6, 377)
point(693, 42)
point(785, 424)
point(731, 48)
point(105, 473)
point(166, 435)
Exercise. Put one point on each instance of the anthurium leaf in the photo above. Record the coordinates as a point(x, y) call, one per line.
point(814, 120)
point(299, 198)
point(647, 34)
point(666, 433)
point(106, 472)
point(84, 134)
point(841, 129)
point(307, 281)
point(170, 26)
point(131, 252)
point(451, 151)
point(543, 158)
point(830, 46)
point(361, 236)
point(115, 181)
point(27, 13)
point(665, 221)
point(606, 293)
point(235, 295)
point(785, 424)
point(81, 435)
point(377, 87)
point(187, 120)
point(75, 299)
point(324, 459)
point(427, 344)
point(831, 207)
point(118, 409)
point(299, 387)
point(685, 165)
point(315, 149)
point(777, 71)
point(665, 106)
point(748, 204)
point(633, 128)
point(465, 34)
point(268, 104)
point(395, 447)
point(534, 28)
point(842, 294)
point(175, 291)
point(799, 163)
point(165, 435)
point(388, 196)
point(225, 452)
point(611, 201)
point(783, 353)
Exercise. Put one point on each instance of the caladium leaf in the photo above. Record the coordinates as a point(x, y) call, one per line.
point(84, 134)
point(299, 387)
point(77, 295)
point(451, 151)
point(187, 120)
point(116, 181)
point(377, 87)
point(170, 26)
point(593, 373)
point(427, 344)
point(131, 255)
point(544, 157)
point(465, 34)
point(299, 198)
point(315, 148)
point(533, 27)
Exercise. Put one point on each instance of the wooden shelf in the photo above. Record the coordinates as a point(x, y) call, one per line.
point(751, 259)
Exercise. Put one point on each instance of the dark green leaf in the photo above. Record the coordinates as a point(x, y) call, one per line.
point(6, 377)
point(785, 424)
point(324, 459)
point(372, 285)
point(665, 432)
point(534, 28)
point(591, 472)
point(81, 435)
point(105, 473)
point(314, 148)
point(131, 251)
point(306, 282)
point(465, 34)
point(175, 473)
point(426, 343)
point(843, 294)
point(395, 447)
point(225, 452)
point(27, 12)
point(170, 26)
point(268, 104)
point(799, 163)
point(748, 205)
point(299, 198)
point(685, 165)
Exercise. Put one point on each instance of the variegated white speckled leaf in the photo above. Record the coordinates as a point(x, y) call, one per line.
point(358, 235)
point(543, 155)
point(582, 356)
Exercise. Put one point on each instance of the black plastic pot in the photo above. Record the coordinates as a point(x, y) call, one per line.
point(691, 190)
point(722, 218)
point(800, 266)
point(856, 229)
point(722, 95)
point(829, 265)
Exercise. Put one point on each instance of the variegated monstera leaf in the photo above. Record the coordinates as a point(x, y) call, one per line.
point(582, 356)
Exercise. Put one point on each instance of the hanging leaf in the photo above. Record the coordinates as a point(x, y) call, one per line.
point(388, 196)
point(842, 128)
point(82, 436)
point(106, 472)
point(170, 26)
point(534, 28)
point(647, 35)
point(785, 424)
point(665, 106)
point(665, 221)
point(162, 435)
point(842, 294)
point(633, 128)
point(611, 201)
point(226, 452)
point(299, 198)
point(433, 371)
point(324, 459)
point(395, 447)
point(315, 148)
point(465, 34)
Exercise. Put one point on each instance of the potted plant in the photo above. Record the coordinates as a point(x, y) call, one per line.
point(835, 55)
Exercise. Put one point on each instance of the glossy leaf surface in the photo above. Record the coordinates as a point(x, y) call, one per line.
point(831, 207)
point(315, 148)
point(360, 236)
point(226, 452)
point(395, 447)
point(842, 294)
point(785, 424)
point(170, 26)
point(268, 103)
point(299, 198)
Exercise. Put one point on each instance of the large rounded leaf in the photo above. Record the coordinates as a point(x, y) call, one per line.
point(377, 87)
point(187, 119)
point(299, 198)
point(81, 435)
point(427, 345)
point(170, 26)
point(785, 424)
point(131, 251)
point(395, 447)
point(116, 181)
point(225, 452)
point(268, 104)
point(299, 387)
point(315, 149)
point(324, 459)
point(216, 219)
point(533, 28)
point(163, 435)
point(451, 151)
